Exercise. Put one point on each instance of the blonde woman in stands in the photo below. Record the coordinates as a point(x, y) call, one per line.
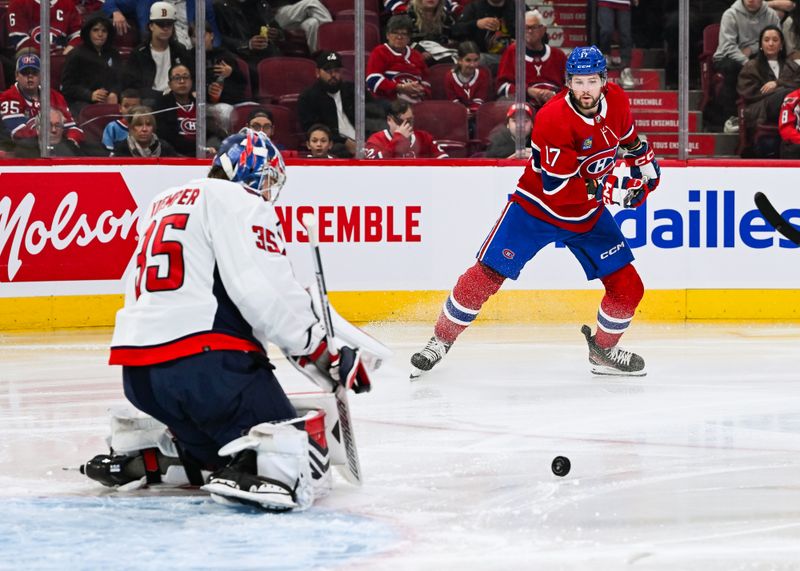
point(142, 140)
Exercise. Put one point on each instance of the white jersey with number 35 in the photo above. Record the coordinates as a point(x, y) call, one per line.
point(210, 274)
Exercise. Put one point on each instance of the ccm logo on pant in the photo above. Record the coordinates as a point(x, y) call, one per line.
point(612, 251)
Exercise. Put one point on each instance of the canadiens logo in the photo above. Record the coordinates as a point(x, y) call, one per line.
point(508, 254)
point(187, 126)
point(587, 144)
point(598, 164)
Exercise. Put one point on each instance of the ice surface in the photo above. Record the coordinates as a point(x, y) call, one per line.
point(694, 466)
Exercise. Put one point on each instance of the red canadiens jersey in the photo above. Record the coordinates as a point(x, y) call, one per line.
point(24, 30)
point(545, 72)
point(472, 93)
point(789, 120)
point(187, 123)
point(16, 112)
point(568, 149)
point(387, 68)
point(382, 145)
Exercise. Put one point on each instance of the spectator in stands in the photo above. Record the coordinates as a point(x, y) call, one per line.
point(490, 24)
point(142, 140)
point(149, 64)
point(545, 67)
point(468, 83)
point(789, 126)
point(394, 70)
point(59, 146)
point(766, 79)
point(225, 82)
point(123, 15)
point(117, 130)
point(738, 41)
point(503, 140)
point(241, 23)
point(401, 140)
point(23, 26)
point(319, 142)
point(791, 31)
point(184, 17)
point(331, 102)
point(432, 25)
point(307, 15)
point(619, 11)
point(177, 114)
point(92, 70)
point(19, 107)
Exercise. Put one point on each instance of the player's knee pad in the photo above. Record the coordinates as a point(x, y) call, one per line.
point(284, 458)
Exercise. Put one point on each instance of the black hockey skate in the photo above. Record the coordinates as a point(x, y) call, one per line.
point(431, 354)
point(612, 361)
point(120, 469)
point(239, 483)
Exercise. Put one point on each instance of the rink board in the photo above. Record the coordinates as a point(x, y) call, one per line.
point(396, 236)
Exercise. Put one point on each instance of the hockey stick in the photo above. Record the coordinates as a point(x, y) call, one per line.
point(773, 217)
point(352, 470)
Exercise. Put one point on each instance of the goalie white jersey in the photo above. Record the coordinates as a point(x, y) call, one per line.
point(210, 274)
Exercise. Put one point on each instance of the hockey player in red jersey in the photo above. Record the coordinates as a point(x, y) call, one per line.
point(561, 196)
point(210, 286)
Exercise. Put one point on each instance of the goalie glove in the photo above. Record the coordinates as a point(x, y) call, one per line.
point(643, 164)
point(345, 368)
point(627, 192)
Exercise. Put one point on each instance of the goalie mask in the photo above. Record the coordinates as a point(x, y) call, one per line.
point(252, 160)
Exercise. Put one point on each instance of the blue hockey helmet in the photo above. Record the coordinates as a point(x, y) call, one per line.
point(586, 60)
point(252, 160)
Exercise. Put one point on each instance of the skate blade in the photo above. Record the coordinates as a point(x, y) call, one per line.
point(611, 372)
point(226, 495)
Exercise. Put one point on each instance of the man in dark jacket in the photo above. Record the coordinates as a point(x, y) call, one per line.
point(490, 24)
point(331, 102)
point(241, 21)
point(149, 64)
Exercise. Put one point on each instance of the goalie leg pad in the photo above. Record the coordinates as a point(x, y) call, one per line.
point(271, 467)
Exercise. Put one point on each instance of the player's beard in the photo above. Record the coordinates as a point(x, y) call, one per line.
point(583, 106)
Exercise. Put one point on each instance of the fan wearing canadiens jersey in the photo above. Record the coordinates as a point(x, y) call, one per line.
point(561, 197)
point(210, 286)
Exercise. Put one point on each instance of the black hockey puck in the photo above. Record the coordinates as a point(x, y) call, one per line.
point(560, 466)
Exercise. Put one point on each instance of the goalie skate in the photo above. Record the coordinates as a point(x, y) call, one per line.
point(237, 483)
point(425, 359)
point(614, 360)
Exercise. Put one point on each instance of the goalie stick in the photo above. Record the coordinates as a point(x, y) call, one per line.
point(773, 217)
point(352, 470)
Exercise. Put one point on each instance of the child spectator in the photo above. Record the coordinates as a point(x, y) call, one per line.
point(401, 140)
point(468, 84)
point(117, 130)
point(503, 141)
point(394, 70)
point(319, 143)
point(545, 67)
point(142, 140)
point(92, 70)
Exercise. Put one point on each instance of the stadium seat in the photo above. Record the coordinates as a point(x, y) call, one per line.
point(56, 68)
point(245, 69)
point(339, 35)
point(370, 17)
point(93, 120)
point(710, 80)
point(442, 119)
point(349, 64)
point(284, 76)
point(488, 117)
point(336, 6)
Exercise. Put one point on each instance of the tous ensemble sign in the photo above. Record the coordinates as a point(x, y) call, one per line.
point(65, 226)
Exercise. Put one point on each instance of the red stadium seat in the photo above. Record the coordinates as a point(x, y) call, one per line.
point(245, 69)
point(339, 35)
point(436, 77)
point(336, 6)
point(56, 67)
point(370, 17)
point(94, 118)
point(488, 117)
point(442, 119)
point(710, 80)
point(284, 76)
point(349, 64)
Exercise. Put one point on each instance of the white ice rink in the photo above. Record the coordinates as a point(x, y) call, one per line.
point(695, 466)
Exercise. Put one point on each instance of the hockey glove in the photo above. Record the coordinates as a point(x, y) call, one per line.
point(345, 368)
point(627, 192)
point(643, 164)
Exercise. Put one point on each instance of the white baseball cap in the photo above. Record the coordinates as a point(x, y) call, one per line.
point(161, 11)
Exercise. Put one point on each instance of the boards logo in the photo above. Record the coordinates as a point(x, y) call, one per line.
point(76, 226)
point(556, 36)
